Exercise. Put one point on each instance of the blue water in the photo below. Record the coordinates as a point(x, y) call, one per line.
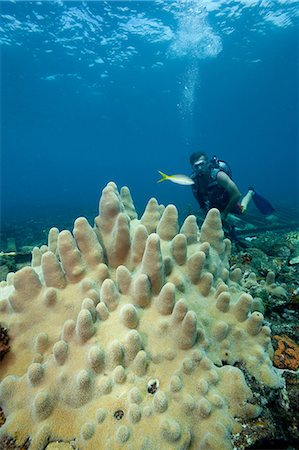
point(100, 91)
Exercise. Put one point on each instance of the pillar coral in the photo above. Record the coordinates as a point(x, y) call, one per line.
point(125, 335)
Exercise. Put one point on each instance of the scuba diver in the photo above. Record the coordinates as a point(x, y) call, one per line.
point(213, 187)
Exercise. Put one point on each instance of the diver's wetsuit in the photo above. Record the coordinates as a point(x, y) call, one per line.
point(215, 196)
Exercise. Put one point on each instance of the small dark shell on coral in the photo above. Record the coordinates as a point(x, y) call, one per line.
point(152, 386)
point(119, 414)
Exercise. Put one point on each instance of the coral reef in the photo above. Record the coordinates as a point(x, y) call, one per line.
point(277, 426)
point(286, 355)
point(285, 245)
point(13, 261)
point(127, 335)
point(277, 289)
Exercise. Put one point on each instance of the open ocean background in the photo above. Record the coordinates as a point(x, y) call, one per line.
point(116, 90)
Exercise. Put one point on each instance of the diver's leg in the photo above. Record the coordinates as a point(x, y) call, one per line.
point(245, 200)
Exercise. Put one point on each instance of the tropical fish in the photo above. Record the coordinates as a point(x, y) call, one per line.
point(178, 179)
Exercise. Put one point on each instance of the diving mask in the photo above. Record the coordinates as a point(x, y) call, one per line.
point(200, 165)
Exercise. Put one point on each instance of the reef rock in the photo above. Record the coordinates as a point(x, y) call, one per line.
point(4, 342)
point(126, 335)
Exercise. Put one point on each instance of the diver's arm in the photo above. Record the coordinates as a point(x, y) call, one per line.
point(234, 194)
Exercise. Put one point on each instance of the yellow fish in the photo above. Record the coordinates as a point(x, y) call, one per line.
point(178, 179)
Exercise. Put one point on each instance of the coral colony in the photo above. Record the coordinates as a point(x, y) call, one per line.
point(131, 334)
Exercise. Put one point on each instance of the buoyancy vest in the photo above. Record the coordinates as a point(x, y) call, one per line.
point(214, 196)
point(219, 164)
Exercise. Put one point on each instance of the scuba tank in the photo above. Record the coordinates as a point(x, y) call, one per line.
point(220, 165)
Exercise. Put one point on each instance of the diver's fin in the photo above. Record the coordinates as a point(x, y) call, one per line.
point(163, 175)
point(262, 204)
